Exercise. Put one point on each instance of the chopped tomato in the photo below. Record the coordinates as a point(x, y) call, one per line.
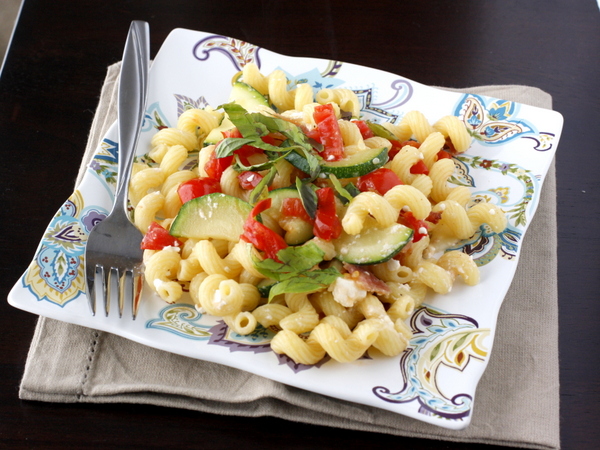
point(274, 138)
point(419, 168)
point(249, 180)
point(380, 181)
point(412, 143)
point(434, 217)
point(449, 147)
point(327, 224)
point(262, 237)
point(418, 226)
point(246, 152)
point(216, 166)
point(293, 207)
point(328, 133)
point(397, 146)
point(157, 238)
point(443, 154)
point(197, 188)
point(233, 133)
point(365, 131)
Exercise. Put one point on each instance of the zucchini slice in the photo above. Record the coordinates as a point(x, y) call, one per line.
point(352, 166)
point(216, 216)
point(373, 245)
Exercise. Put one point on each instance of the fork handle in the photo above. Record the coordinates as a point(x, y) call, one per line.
point(133, 88)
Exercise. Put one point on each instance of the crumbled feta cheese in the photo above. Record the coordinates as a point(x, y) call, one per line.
point(376, 160)
point(492, 211)
point(393, 264)
point(422, 230)
point(346, 292)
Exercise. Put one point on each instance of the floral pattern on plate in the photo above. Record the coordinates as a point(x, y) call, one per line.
point(434, 380)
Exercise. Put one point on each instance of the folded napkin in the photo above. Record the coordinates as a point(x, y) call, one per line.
point(517, 401)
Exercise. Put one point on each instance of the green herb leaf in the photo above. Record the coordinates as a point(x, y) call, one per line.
point(352, 189)
point(308, 198)
point(295, 286)
point(381, 131)
point(298, 270)
point(227, 146)
point(261, 190)
point(343, 194)
point(243, 121)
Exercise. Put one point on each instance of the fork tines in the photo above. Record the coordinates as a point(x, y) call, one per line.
point(125, 286)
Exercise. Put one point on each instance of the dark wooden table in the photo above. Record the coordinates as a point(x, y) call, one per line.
point(49, 90)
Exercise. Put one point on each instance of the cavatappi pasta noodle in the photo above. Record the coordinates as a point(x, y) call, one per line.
point(364, 180)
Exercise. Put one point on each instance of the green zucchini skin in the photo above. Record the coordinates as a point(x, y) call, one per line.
point(374, 245)
point(216, 216)
point(353, 166)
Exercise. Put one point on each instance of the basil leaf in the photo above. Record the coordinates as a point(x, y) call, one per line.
point(294, 260)
point(308, 198)
point(380, 130)
point(344, 195)
point(227, 146)
point(298, 270)
point(261, 190)
point(243, 121)
point(295, 286)
point(352, 189)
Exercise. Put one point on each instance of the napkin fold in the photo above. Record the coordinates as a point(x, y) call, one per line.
point(517, 400)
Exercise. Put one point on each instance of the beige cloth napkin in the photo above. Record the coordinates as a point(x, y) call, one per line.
point(517, 401)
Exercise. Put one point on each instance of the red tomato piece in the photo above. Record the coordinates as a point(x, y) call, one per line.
point(449, 147)
point(434, 217)
point(418, 226)
point(365, 131)
point(293, 207)
point(380, 181)
point(397, 146)
point(419, 168)
point(249, 180)
point(443, 154)
point(233, 133)
point(274, 138)
point(216, 166)
point(197, 188)
point(157, 238)
point(245, 152)
point(262, 237)
point(327, 224)
point(329, 133)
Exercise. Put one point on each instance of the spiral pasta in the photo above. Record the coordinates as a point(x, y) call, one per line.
point(365, 307)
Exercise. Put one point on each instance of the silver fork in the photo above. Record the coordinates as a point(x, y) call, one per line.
point(113, 256)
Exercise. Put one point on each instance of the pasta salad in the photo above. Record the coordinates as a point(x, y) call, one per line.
point(285, 209)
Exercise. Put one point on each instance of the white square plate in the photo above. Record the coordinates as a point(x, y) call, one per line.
point(434, 380)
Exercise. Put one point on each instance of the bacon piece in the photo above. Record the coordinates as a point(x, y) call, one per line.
point(366, 280)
